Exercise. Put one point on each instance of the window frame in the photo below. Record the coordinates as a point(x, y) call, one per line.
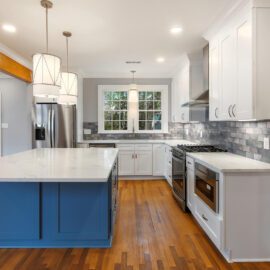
point(133, 119)
point(113, 88)
point(164, 107)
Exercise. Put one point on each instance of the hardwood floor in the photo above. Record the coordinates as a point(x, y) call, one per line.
point(152, 233)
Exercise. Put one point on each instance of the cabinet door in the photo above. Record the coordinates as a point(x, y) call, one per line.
point(126, 162)
point(214, 87)
point(184, 114)
point(158, 159)
point(243, 108)
point(228, 74)
point(143, 162)
point(190, 190)
point(168, 164)
point(20, 211)
point(185, 84)
point(175, 99)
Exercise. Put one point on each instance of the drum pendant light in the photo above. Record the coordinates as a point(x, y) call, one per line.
point(133, 90)
point(46, 67)
point(69, 82)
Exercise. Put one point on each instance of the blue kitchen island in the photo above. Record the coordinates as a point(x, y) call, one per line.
point(58, 198)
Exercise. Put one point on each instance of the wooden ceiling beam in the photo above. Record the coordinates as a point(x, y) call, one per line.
point(15, 69)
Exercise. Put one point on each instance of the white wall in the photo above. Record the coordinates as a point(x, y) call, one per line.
point(16, 112)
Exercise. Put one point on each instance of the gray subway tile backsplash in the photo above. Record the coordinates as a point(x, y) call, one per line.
point(243, 138)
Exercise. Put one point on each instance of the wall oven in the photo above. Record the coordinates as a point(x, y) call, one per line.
point(207, 186)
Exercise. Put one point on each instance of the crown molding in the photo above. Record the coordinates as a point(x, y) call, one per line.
point(222, 18)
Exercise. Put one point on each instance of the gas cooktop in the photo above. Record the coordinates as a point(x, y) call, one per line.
point(200, 148)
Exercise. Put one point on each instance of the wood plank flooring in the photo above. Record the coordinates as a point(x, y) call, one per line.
point(151, 233)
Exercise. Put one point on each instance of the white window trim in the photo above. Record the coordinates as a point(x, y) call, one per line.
point(133, 119)
point(101, 90)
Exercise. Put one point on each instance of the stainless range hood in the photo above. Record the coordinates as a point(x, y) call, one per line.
point(202, 100)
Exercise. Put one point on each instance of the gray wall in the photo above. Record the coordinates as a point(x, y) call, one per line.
point(90, 93)
point(16, 111)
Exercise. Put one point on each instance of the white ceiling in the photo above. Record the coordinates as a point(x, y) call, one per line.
point(106, 33)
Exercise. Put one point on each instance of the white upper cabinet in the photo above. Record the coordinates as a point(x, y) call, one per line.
point(227, 75)
point(214, 94)
point(239, 64)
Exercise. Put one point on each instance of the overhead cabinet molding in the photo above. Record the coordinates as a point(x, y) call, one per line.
point(239, 63)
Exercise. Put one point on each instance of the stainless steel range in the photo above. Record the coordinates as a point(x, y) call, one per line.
point(179, 169)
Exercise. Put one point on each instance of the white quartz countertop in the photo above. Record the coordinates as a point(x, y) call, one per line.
point(138, 141)
point(59, 165)
point(230, 163)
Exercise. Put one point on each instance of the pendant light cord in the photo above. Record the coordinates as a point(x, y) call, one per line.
point(47, 34)
point(67, 52)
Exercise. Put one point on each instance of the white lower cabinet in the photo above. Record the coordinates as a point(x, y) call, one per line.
point(135, 159)
point(168, 164)
point(145, 159)
point(190, 184)
point(126, 162)
point(158, 159)
point(208, 220)
point(143, 162)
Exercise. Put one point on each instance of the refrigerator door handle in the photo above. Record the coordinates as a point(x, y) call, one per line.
point(50, 127)
point(53, 128)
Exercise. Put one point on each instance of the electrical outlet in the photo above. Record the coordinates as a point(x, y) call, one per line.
point(266, 143)
point(201, 133)
point(187, 131)
point(87, 131)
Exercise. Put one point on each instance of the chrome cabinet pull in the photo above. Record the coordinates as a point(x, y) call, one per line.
point(216, 110)
point(233, 110)
point(204, 217)
point(229, 111)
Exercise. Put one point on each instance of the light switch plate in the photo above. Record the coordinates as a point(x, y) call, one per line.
point(4, 125)
point(87, 131)
point(201, 134)
point(266, 143)
point(187, 132)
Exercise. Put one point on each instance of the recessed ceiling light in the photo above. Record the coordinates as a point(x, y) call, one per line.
point(160, 59)
point(176, 30)
point(9, 28)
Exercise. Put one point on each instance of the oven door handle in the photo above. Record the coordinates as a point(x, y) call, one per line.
point(177, 159)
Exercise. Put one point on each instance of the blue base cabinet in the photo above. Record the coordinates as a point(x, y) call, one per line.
point(58, 214)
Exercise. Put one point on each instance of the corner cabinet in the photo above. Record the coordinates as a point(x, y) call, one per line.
point(187, 83)
point(239, 63)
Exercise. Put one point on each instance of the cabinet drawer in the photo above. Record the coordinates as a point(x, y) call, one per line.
point(143, 146)
point(125, 146)
point(209, 221)
point(190, 163)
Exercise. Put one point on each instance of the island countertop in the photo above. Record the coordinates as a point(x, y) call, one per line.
point(58, 165)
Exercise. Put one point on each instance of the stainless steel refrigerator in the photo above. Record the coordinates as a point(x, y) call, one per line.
point(54, 125)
